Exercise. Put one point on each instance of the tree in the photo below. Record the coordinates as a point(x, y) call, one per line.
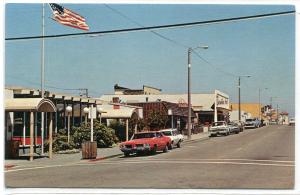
point(156, 120)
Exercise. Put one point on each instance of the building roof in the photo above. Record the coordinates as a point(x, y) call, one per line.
point(203, 102)
point(123, 111)
point(29, 104)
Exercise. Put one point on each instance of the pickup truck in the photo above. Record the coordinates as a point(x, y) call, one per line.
point(145, 143)
point(220, 127)
point(176, 137)
point(252, 123)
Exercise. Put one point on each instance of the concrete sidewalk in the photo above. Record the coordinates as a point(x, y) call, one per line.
point(63, 159)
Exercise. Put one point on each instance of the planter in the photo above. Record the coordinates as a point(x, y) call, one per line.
point(12, 149)
point(89, 150)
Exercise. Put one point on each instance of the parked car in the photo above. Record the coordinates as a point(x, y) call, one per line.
point(217, 128)
point(240, 124)
point(292, 122)
point(252, 123)
point(234, 128)
point(176, 137)
point(146, 143)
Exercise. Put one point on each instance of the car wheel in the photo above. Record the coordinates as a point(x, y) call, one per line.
point(154, 150)
point(179, 144)
point(166, 148)
point(126, 154)
point(170, 146)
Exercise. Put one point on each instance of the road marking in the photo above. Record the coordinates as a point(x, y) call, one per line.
point(201, 162)
point(212, 159)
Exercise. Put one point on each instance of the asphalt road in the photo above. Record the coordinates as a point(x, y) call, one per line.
point(257, 158)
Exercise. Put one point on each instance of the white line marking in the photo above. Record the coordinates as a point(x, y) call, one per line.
point(189, 162)
point(211, 159)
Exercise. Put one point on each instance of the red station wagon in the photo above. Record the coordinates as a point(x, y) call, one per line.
point(146, 142)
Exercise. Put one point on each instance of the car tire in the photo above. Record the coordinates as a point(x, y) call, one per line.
point(170, 146)
point(154, 150)
point(126, 154)
point(166, 149)
point(179, 144)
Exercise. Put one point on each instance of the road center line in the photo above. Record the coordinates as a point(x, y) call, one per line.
point(203, 162)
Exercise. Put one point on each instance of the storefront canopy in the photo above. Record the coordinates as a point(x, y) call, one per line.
point(29, 105)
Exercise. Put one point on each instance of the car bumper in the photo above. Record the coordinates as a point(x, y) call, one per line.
point(219, 131)
point(135, 150)
point(249, 126)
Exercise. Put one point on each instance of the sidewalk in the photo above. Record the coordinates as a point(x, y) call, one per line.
point(63, 159)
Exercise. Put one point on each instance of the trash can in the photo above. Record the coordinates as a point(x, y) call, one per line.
point(89, 150)
point(12, 149)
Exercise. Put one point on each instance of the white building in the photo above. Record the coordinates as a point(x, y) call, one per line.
point(208, 107)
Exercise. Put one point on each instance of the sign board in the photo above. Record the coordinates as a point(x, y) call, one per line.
point(182, 103)
point(94, 113)
point(222, 100)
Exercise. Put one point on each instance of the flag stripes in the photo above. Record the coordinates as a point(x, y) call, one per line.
point(67, 17)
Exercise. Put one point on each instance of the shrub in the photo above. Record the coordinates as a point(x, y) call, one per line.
point(120, 129)
point(60, 142)
point(104, 136)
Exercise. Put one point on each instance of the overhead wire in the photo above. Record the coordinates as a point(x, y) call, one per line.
point(159, 27)
point(168, 39)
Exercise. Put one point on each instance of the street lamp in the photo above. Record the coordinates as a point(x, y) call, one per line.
point(170, 113)
point(259, 92)
point(100, 111)
point(239, 87)
point(86, 111)
point(69, 110)
point(189, 86)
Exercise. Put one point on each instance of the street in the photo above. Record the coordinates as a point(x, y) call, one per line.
point(256, 158)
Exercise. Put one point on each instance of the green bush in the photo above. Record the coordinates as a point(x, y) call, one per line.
point(60, 142)
point(120, 129)
point(104, 136)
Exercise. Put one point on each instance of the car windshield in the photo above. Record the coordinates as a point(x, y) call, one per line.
point(217, 124)
point(249, 120)
point(143, 135)
point(167, 133)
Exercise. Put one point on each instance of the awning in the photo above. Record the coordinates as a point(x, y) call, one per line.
point(122, 113)
point(29, 105)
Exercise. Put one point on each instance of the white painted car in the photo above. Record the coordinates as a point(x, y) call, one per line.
point(220, 127)
point(176, 137)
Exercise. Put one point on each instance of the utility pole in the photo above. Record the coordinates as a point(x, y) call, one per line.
point(189, 87)
point(239, 89)
point(189, 93)
point(43, 75)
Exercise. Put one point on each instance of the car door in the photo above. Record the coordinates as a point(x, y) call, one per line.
point(160, 141)
point(176, 137)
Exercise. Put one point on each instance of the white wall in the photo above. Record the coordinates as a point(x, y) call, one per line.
point(234, 115)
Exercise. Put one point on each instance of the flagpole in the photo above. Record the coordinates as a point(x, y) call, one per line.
point(43, 74)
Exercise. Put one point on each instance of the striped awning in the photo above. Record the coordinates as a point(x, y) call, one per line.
point(29, 105)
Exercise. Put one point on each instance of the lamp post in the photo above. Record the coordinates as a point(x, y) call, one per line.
point(190, 50)
point(239, 87)
point(100, 111)
point(259, 93)
point(69, 110)
point(170, 113)
point(92, 124)
point(86, 111)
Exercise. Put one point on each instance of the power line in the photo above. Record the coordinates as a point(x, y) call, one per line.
point(158, 27)
point(216, 68)
point(140, 25)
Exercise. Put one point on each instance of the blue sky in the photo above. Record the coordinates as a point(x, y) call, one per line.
point(262, 48)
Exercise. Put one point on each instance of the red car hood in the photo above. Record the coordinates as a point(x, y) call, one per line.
point(139, 141)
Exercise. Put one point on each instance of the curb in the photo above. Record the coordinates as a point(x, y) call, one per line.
point(195, 140)
point(105, 157)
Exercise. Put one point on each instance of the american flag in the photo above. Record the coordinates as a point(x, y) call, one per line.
point(67, 17)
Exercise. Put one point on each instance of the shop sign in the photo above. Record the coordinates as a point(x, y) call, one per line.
point(182, 103)
point(222, 101)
